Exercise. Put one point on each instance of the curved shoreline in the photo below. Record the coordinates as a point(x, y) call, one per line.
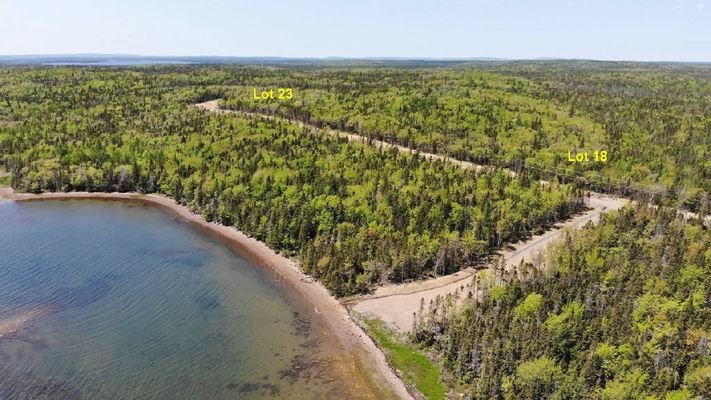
point(331, 311)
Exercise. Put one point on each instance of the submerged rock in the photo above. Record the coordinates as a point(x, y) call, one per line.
point(9, 325)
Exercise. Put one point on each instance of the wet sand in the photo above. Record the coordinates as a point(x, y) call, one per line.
point(329, 311)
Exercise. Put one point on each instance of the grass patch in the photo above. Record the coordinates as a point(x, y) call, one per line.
point(5, 180)
point(415, 367)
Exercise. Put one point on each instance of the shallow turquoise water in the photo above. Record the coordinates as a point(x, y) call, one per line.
point(106, 300)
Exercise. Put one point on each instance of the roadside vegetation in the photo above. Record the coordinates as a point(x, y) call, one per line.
point(653, 121)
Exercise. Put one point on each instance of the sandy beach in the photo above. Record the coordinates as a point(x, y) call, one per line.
point(333, 314)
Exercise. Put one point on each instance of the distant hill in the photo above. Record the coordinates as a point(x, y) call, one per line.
point(128, 59)
point(90, 59)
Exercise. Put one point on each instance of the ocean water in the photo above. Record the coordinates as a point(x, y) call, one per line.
point(111, 300)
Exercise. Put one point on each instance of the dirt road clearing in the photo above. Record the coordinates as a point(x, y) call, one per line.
point(397, 304)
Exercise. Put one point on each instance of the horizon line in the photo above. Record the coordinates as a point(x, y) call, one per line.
point(341, 58)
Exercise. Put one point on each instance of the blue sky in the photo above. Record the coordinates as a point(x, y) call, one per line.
point(678, 30)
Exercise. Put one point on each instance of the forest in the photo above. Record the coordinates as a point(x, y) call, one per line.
point(653, 121)
point(355, 216)
point(622, 311)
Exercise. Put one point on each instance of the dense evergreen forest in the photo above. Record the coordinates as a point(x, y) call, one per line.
point(355, 215)
point(623, 312)
point(654, 123)
point(658, 119)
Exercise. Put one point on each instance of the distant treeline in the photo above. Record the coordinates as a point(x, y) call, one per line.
point(654, 121)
